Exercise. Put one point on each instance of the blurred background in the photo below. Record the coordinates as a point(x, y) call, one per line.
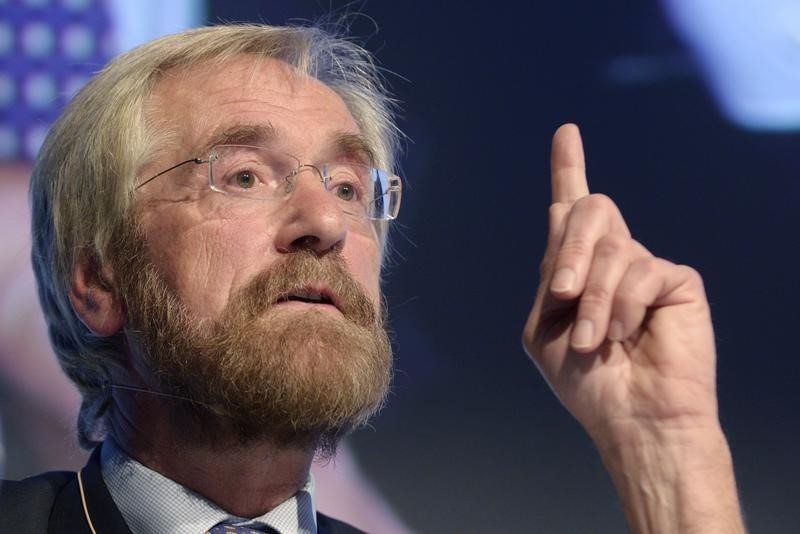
point(690, 112)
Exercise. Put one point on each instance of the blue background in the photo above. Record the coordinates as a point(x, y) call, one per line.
point(472, 439)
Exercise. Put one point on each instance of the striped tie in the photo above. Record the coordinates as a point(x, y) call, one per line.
point(233, 529)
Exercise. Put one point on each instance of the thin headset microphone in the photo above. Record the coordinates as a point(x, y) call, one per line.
point(156, 393)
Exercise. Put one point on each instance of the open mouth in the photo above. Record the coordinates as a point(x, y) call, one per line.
point(309, 296)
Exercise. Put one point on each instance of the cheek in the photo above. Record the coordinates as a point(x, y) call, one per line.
point(364, 260)
point(206, 260)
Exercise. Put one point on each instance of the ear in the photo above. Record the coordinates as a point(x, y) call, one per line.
point(93, 299)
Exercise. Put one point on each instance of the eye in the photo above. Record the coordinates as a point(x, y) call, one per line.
point(244, 179)
point(346, 181)
point(346, 192)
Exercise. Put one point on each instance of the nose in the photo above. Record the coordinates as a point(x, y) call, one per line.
point(313, 219)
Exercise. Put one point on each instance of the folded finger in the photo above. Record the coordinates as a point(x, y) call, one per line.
point(589, 219)
point(648, 282)
point(612, 258)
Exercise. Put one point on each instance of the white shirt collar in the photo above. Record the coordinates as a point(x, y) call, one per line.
point(151, 503)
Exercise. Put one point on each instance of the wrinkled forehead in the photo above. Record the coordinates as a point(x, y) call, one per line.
point(193, 106)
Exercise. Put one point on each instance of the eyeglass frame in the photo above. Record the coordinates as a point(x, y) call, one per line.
point(199, 161)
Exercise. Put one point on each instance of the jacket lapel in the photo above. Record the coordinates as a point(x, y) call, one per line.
point(68, 514)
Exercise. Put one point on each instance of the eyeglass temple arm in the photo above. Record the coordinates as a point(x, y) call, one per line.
point(165, 171)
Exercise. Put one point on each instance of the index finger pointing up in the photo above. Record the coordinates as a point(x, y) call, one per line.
point(567, 165)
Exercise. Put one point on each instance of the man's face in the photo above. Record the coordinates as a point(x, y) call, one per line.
point(205, 255)
point(207, 288)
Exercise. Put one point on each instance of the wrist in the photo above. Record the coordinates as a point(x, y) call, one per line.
point(676, 435)
point(676, 479)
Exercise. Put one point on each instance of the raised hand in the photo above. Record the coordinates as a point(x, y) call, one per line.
point(626, 343)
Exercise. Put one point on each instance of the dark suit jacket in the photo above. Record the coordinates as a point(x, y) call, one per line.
point(51, 504)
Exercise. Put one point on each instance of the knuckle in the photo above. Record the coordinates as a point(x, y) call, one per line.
point(595, 202)
point(596, 296)
point(576, 247)
point(611, 245)
point(647, 266)
point(692, 275)
point(639, 248)
point(557, 210)
point(628, 297)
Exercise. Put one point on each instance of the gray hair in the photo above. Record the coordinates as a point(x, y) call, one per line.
point(87, 168)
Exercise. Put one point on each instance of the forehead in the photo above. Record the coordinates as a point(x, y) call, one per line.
point(194, 104)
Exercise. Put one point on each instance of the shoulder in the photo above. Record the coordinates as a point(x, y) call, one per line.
point(28, 503)
point(329, 525)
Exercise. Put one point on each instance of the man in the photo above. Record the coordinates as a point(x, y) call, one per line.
point(209, 225)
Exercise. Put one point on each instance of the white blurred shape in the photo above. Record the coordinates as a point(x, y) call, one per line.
point(75, 5)
point(749, 51)
point(6, 38)
point(77, 42)
point(138, 22)
point(37, 39)
point(39, 90)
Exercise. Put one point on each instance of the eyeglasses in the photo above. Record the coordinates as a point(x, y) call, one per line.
point(257, 173)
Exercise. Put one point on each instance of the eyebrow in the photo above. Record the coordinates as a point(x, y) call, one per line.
point(350, 145)
point(343, 144)
point(244, 134)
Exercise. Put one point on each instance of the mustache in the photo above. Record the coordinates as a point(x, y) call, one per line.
point(297, 272)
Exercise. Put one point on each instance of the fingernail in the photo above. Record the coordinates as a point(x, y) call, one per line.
point(615, 330)
point(583, 333)
point(563, 280)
